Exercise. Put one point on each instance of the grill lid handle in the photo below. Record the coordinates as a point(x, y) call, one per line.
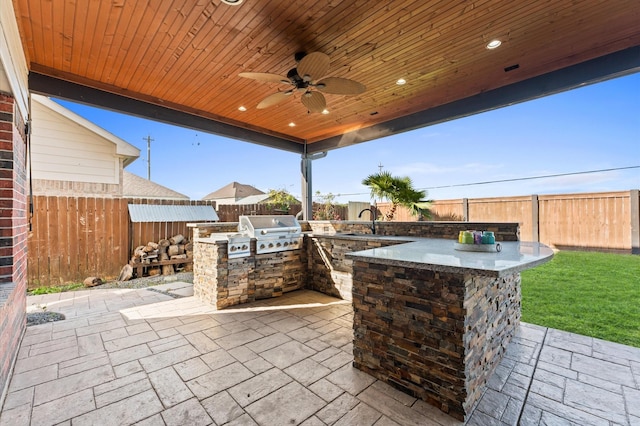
point(289, 230)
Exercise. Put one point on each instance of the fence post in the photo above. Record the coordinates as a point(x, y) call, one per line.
point(634, 198)
point(535, 219)
point(465, 209)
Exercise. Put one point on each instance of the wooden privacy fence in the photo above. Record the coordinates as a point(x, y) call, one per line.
point(76, 237)
point(605, 221)
point(232, 212)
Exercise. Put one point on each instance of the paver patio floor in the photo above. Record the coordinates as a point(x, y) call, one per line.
point(142, 357)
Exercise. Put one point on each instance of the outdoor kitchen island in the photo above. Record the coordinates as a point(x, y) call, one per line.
point(261, 259)
point(433, 321)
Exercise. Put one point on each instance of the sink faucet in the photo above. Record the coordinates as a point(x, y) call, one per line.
point(373, 219)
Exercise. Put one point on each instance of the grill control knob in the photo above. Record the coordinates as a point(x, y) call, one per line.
point(286, 243)
point(278, 245)
point(232, 248)
point(244, 247)
point(261, 246)
point(270, 245)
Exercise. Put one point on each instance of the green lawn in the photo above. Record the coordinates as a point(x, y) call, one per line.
point(594, 294)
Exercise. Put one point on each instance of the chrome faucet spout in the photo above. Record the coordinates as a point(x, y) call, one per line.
point(373, 219)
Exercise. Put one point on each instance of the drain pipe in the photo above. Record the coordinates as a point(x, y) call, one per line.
point(307, 178)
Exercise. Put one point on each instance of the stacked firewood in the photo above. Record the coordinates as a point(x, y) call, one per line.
point(176, 247)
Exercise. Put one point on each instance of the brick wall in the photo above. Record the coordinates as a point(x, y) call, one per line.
point(59, 188)
point(13, 234)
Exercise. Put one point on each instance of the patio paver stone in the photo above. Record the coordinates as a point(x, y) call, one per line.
point(144, 357)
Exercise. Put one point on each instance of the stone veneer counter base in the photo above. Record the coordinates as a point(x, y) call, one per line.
point(435, 322)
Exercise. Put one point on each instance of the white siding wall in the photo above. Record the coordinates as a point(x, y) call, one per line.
point(12, 60)
point(65, 151)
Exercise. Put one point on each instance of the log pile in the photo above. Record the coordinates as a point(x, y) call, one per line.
point(164, 256)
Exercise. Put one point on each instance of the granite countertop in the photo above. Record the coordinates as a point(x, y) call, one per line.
point(362, 236)
point(440, 255)
point(215, 238)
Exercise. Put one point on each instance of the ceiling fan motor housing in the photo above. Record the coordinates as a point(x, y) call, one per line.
point(296, 80)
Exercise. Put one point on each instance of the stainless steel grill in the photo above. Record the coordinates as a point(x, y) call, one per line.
point(272, 233)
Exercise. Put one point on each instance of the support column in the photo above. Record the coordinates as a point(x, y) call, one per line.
point(307, 182)
point(307, 195)
point(13, 235)
point(465, 209)
point(634, 196)
point(535, 219)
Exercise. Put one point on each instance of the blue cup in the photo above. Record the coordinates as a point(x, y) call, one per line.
point(488, 237)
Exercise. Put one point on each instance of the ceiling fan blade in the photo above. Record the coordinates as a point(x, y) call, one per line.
point(340, 86)
point(314, 101)
point(314, 65)
point(265, 76)
point(274, 99)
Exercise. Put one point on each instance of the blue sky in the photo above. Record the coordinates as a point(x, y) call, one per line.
point(592, 128)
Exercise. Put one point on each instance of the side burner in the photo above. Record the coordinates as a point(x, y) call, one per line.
point(239, 245)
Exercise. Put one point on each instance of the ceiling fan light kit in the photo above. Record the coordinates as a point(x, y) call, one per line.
point(305, 77)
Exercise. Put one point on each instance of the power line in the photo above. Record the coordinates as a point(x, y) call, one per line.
point(510, 180)
point(533, 177)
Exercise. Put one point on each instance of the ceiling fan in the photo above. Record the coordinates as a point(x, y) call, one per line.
point(306, 78)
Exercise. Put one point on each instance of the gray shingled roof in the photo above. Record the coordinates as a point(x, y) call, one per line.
point(136, 187)
point(233, 190)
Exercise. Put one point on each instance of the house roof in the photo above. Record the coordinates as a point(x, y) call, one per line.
point(136, 187)
point(233, 190)
point(123, 148)
point(253, 199)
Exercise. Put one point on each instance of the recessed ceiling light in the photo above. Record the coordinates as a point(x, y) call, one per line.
point(401, 81)
point(494, 44)
point(242, 108)
point(232, 2)
point(292, 124)
point(325, 111)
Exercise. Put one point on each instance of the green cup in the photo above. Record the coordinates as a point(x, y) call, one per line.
point(467, 237)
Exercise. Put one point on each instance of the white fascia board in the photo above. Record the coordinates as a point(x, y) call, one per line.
point(123, 148)
point(12, 58)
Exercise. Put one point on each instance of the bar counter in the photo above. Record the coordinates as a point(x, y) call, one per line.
point(433, 321)
point(439, 254)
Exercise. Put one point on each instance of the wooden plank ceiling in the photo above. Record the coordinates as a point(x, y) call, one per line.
point(186, 55)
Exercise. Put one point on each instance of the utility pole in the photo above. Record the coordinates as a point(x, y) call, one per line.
point(148, 139)
point(380, 166)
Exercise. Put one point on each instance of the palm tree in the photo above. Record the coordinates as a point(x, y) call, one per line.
point(400, 192)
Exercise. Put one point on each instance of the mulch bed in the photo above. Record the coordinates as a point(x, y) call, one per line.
point(37, 318)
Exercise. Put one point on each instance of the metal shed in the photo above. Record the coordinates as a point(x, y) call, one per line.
point(144, 213)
